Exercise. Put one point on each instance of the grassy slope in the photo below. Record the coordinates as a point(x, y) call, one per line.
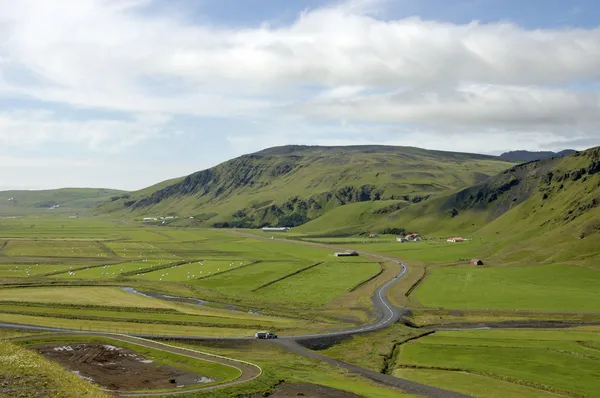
point(540, 218)
point(320, 177)
point(25, 374)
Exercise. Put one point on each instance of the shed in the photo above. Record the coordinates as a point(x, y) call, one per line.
point(347, 253)
point(476, 261)
point(276, 229)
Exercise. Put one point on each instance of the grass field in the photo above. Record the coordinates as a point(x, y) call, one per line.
point(31, 270)
point(548, 361)
point(218, 266)
point(549, 287)
point(108, 296)
point(108, 271)
point(191, 271)
point(248, 278)
point(26, 374)
point(320, 284)
point(44, 248)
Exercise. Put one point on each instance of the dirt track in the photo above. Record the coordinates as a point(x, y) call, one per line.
point(248, 370)
point(116, 368)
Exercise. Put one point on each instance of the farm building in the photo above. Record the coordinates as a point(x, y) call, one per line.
point(401, 239)
point(476, 261)
point(373, 236)
point(150, 219)
point(412, 237)
point(455, 240)
point(276, 229)
point(347, 253)
point(73, 217)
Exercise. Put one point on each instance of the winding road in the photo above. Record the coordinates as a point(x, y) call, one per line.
point(389, 315)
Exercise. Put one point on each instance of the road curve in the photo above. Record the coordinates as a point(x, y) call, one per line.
point(389, 315)
point(248, 371)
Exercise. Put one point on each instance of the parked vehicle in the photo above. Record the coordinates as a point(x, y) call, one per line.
point(265, 335)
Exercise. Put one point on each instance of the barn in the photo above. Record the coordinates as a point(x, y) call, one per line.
point(476, 261)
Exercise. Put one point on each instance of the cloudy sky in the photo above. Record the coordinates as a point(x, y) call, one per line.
point(126, 93)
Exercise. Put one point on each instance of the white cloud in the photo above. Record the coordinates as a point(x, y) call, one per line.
point(338, 73)
point(34, 129)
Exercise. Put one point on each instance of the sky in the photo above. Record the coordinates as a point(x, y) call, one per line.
point(126, 93)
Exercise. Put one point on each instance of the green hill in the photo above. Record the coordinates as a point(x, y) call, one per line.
point(291, 185)
point(72, 199)
point(544, 211)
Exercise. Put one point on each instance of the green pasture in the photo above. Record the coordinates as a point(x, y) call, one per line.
point(155, 329)
point(140, 250)
point(31, 270)
point(251, 277)
point(55, 227)
point(546, 287)
point(46, 248)
point(108, 271)
point(144, 317)
point(109, 296)
point(551, 361)
point(320, 284)
point(473, 385)
point(191, 271)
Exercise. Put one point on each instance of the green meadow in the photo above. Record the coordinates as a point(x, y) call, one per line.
point(550, 362)
point(544, 287)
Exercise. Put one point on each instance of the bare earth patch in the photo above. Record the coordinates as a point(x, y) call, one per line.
point(288, 390)
point(117, 368)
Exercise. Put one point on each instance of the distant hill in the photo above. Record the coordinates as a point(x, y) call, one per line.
point(542, 212)
point(291, 185)
point(17, 202)
point(527, 156)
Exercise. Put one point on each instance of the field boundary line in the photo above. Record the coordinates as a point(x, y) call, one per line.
point(417, 283)
point(377, 275)
point(154, 268)
point(287, 276)
point(4, 245)
point(108, 249)
point(254, 262)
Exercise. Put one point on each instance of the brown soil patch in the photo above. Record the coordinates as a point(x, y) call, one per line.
point(288, 390)
point(116, 368)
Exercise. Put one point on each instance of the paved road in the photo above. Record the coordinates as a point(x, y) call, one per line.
point(389, 315)
point(407, 386)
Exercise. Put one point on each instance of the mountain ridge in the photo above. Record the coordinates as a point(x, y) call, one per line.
point(530, 156)
point(293, 184)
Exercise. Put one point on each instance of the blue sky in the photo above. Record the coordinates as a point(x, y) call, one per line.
point(126, 93)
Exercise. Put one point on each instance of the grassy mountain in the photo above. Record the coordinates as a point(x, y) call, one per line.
point(72, 199)
point(527, 156)
point(545, 210)
point(290, 185)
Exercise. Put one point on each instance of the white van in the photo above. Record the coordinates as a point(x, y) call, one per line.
point(265, 335)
